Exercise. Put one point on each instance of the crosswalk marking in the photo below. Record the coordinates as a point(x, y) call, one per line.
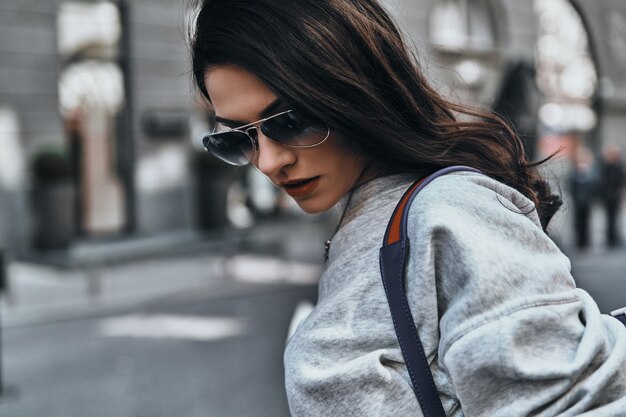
point(199, 328)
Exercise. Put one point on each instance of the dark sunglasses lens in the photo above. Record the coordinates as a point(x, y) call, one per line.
point(293, 129)
point(233, 147)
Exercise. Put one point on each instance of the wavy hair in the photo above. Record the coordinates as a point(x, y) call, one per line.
point(346, 63)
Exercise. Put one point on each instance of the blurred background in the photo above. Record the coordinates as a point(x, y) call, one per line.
point(140, 277)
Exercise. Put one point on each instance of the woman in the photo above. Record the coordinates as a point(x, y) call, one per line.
point(324, 98)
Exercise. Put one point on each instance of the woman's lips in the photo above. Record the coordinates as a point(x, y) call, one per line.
point(301, 188)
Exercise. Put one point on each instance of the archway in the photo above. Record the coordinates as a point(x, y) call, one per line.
point(567, 76)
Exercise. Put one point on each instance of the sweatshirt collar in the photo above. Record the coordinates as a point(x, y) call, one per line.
point(373, 194)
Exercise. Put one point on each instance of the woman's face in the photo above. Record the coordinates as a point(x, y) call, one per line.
point(316, 178)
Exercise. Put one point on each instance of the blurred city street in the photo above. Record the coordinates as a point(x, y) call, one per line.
point(198, 333)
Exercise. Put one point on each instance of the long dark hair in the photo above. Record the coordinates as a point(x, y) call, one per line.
point(345, 62)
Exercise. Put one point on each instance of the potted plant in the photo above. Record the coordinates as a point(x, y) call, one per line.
point(54, 198)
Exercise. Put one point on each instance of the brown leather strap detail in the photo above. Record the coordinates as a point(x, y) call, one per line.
point(396, 221)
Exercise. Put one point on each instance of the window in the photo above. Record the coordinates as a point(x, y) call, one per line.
point(464, 24)
point(566, 73)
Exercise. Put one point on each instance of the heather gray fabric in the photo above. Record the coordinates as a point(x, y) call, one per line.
point(505, 329)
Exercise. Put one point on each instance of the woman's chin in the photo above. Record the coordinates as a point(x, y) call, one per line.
point(310, 210)
point(310, 206)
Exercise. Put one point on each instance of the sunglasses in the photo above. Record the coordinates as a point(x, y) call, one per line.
point(238, 146)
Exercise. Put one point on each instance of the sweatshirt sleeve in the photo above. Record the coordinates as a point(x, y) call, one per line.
point(516, 336)
point(546, 360)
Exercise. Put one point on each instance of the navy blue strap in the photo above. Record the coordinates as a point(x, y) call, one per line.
point(392, 265)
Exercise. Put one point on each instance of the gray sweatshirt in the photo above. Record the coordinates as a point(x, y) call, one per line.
point(505, 329)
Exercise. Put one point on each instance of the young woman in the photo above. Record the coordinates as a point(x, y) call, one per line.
point(325, 99)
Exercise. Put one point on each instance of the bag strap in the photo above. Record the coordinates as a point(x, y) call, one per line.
point(392, 265)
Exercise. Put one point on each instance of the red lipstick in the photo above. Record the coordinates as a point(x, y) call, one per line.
point(300, 188)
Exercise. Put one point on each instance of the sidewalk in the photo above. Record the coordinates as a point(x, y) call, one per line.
point(101, 278)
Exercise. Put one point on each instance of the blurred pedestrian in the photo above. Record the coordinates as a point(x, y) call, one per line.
point(611, 192)
point(583, 189)
point(324, 98)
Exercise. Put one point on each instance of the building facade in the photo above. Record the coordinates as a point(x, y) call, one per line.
point(605, 22)
point(132, 157)
point(136, 153)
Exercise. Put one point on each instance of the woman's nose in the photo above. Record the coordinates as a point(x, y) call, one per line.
point(271, 156)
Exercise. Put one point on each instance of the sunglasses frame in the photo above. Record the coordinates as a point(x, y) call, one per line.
point(254, 140)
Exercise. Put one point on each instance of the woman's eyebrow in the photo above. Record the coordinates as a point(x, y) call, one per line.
point(229, 122)
point(270, 108)
point(264, 113)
